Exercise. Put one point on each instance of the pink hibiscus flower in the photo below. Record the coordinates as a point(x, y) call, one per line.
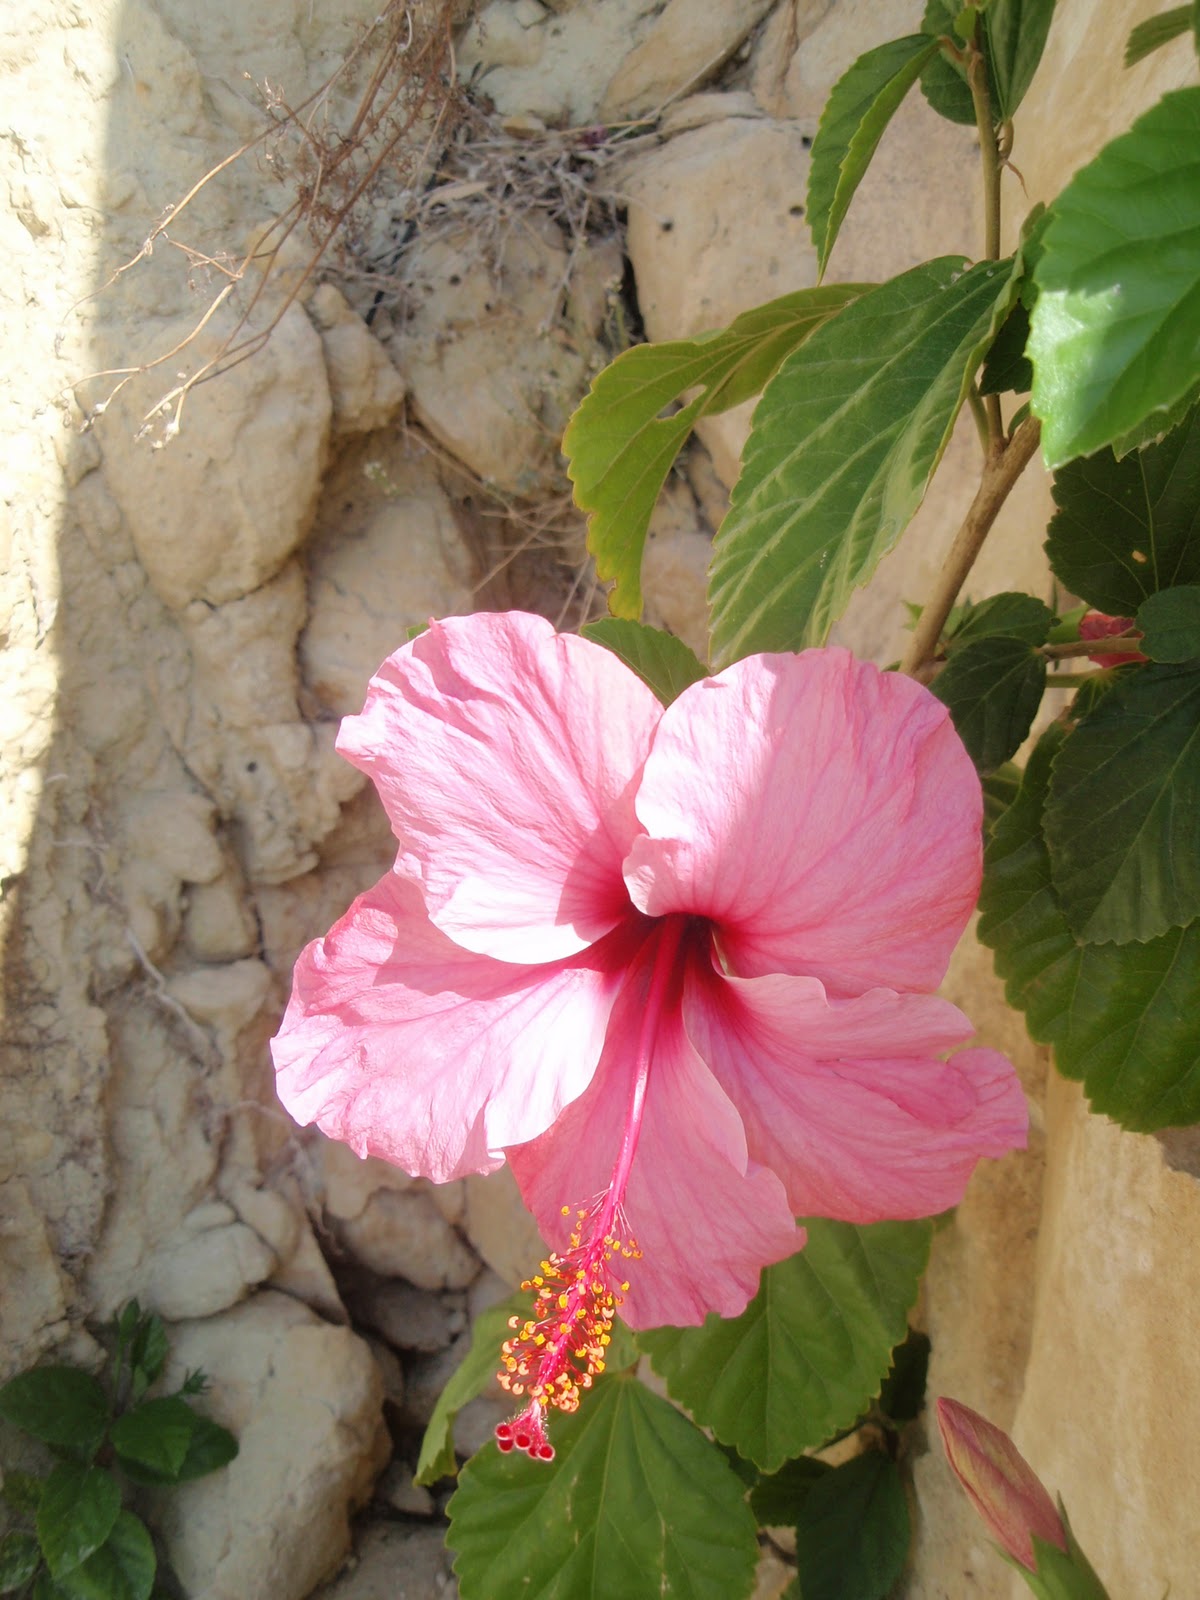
point(673, 965)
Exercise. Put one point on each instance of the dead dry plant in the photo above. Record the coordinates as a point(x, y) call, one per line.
point(405, 110)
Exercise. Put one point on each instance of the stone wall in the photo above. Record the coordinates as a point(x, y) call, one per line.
point(185, 622)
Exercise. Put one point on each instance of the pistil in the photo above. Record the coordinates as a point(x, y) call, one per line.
point(562, 1348)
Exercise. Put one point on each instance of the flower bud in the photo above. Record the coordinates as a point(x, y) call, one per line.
point(1098, 625)
point(999, 1482)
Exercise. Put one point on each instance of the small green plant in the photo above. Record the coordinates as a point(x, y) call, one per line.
point(85, 1543)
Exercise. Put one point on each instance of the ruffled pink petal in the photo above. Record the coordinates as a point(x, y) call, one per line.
point(406, 1046)
point(706, 1218)
point(846, 1099)
point(823, 813)
point(506, 756)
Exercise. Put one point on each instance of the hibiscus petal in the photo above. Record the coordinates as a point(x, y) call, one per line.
point(846, 1099)
point(823, 813)
point(506, 756)
point(707, 1219)
point(406, 1046)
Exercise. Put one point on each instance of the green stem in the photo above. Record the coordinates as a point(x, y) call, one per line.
point(1114, 644)
point(989, 155)
point(1001, 470)
point(1071, 680)
point(980, 418)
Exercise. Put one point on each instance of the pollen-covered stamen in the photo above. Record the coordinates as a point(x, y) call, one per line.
point(558, 1351)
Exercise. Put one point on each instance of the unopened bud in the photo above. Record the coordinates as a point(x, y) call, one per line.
point(999, 1482)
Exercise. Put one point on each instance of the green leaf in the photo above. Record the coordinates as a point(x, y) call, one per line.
point(944, 83)
point(1170, 624)
point(1117, 321)
point(19, 1558)
point(861, 104)
point(79, 1507)
point(148, 1351)
point(61, 1406)
point(660, 660)
point(1121, 818)
point(903, 1394)
point(1125, 529)
point(471, 1377)
point(122, 1569)
point(993, 687)
point(776, 1499)
point(999, 791)
point(844, 441)
point(1016, 32)
point(22, 1491)
point(1123, 1018)
point(809, 1352)
point(619, 447)
point(635, 1499)
point(1010, 615)
point(1006, 367)
point(1156, 31)
point(210, 1448)
point(852, 1535)
point(154, 1437)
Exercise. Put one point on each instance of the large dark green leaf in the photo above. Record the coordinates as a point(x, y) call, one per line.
point(1122, 820)
point(776, 1498)
point(810, 1351)
point(1125, 529)
point(1117, 322)
point(61, 1406)
point(619, 446)
point(663, 662)
point(1011, 615)
point(993, 687)
point(852, 1534)
point(76, 1515)
point(845, 440)
point(861, 104)
point(1170, 624)
point(122, 1569)
point(636, 1501)
point(1123, 1018)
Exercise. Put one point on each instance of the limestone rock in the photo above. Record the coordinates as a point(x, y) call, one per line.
point(343, 1182)
point(365, 388)
point(404, 1235)
point(209, 1265)
point(675, 567)
point(217, 511)
point(688, 41)
point(554, 63)
point(716, 225)
point(408, 1318)
point(304, 1401)
point(388, 554)
point(500, 1228)
point(394, 1562)
point(491, 373)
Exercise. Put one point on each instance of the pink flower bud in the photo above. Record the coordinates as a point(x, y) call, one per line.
point(999, 1482)
point(1096, 625)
